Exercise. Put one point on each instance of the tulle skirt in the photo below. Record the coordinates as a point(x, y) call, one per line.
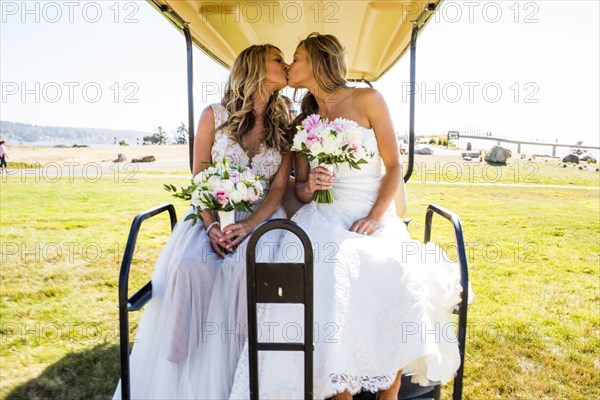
point(381, 303)
point(193, 330)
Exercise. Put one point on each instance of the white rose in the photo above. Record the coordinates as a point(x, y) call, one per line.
point(316, 149)
point(228, 185)
point(215, 182)
point(298, 140)
point(237, 197)
point(196, 198)
point(199, 178)
point(331, 148)
point(241, 187)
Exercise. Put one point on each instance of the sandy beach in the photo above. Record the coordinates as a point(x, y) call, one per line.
point(168, 158)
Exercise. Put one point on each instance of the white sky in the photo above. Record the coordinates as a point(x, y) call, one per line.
point(543, 55)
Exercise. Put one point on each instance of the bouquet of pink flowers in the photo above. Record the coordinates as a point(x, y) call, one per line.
point(221, 188)
point(330, 143)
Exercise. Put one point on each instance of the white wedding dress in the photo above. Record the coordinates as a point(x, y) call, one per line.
point(191, 334)
point(381, 303)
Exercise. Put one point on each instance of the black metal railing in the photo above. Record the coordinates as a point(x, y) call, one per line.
point(141, 297)
point(280, 283)
point(464, 280)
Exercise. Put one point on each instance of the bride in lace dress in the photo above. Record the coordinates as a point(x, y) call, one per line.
point(383, 302)
point(199, 291)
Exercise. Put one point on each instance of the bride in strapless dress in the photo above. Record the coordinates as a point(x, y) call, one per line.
point(382, 302)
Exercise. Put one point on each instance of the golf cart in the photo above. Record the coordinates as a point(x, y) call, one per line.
point(376, 35)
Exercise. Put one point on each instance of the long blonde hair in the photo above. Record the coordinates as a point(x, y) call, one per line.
point(247, 78)
point(327, 58)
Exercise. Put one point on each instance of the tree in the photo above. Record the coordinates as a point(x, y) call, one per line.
point(181, 136)
point(159, 137)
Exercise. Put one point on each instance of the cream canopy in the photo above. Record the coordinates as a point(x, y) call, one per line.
point(375, 33)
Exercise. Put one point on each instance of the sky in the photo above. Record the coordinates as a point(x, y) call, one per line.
point(519, 69)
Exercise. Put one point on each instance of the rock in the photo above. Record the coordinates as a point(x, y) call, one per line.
point(467, 158)
point(589, 159)
point(571, 158)
point(144, 159)
point(497, 155)
point(423, 150)
point(471, 154)
point(120, 158)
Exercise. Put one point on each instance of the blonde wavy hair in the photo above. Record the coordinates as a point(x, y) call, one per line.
point(247, 79)
point(327, 59)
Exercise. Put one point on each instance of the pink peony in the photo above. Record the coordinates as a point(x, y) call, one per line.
point(222, 196)
point(341, 124)
point(252, 194)
point(313, 123)
point(312, 138)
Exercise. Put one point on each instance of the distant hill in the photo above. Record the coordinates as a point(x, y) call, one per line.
point(18, 133)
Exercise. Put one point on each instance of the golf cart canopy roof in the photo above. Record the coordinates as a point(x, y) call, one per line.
point(375, 33)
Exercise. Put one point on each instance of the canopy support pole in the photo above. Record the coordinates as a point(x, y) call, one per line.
point(411, 99)
point(419, 22)
point(190, 85)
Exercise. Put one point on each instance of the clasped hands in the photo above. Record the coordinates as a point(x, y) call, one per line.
point(224, 240)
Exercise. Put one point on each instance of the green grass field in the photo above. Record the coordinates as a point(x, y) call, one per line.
point(534, 265)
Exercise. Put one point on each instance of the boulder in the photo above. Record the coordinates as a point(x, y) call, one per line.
point(471, 154)
point(497, 155)
point(423, 150)
point(571, 158)
point(120, 158)
point(144, 159)
point(589, 159)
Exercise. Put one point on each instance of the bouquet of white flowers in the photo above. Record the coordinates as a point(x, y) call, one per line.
point(221, 188)
point(330, 143)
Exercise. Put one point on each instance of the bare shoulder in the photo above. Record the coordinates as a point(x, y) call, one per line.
point(367, 96)
point(208, 113)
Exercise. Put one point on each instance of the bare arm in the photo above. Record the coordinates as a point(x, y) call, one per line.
point(203, 142)
point(376, 110)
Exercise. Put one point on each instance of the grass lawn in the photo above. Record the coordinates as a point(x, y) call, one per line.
point(534, 266)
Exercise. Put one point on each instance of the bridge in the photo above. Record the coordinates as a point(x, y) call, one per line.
point(499, 140)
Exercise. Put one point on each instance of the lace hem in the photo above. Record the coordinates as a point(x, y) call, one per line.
point(356, 384)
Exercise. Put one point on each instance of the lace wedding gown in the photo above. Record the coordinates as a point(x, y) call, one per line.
point(197, 299)
point(381, 303)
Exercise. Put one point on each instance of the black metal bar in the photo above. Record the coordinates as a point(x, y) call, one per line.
point(281, 346)
point(190, 85)
point(464, 280)
point(140, 298)
point(412, 94)
point(124, 288)
point(308, 303)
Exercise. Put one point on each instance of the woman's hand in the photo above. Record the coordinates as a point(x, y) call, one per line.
point(366, 225)
point(319, 178)
point(234, 234)
point(215, 235)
